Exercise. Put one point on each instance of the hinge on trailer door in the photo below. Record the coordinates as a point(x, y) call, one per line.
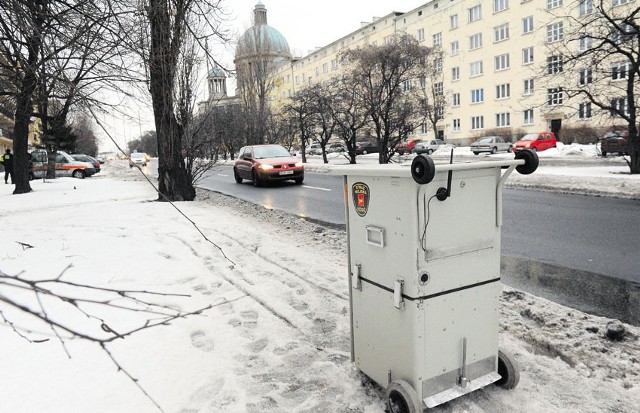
point(398, 302)
point(355, 276)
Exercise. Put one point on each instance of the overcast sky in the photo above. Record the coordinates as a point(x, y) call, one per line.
point(305, 24)
point(310, 24)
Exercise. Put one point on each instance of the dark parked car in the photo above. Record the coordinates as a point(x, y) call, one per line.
point(262, 163)
point(615, 142)
point(365, 147)
point(491, 144)
point(86, 158)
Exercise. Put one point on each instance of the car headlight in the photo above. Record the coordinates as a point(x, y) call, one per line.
point(265, 167)
point(527, 145)
point(299, 164)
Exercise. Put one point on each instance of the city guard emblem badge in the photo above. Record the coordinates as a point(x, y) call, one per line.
point(360, 193)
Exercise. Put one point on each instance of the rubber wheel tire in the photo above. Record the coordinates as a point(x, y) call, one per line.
point(604, 154)
point(255, 178)
point(429, 151)
point(236, 176)
point(510, 149)
point(79, 174)
point(423, 169)
point(299, 181)
point(509, 370)
point(531, 161)
point(402, 398)
point(494, 150)
point(365, 152)
point(476, 153)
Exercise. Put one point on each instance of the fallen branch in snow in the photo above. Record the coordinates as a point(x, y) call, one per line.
point(56, 303)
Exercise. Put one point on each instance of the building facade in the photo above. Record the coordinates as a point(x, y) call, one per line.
point(497, 58)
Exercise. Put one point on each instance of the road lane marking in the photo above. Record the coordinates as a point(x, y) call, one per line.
point(222, 175)
point(315, 187)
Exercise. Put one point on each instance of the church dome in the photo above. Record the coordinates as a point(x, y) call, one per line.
point(262, 38)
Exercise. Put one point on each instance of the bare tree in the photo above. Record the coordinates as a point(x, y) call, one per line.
point(300, 109)
point(322, 97)
point(349, 112)
point(433, 102)
point(596, 64)
point(386, 75)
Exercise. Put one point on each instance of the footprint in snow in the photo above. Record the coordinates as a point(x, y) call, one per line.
point(200, 341)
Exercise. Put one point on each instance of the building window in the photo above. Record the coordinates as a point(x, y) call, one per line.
point(501, 32)
point(317, 71)
point(420, 35)
point(438, 89)
point(437, 65)
point(527, 55)
point(586, 76)
point(456, 125)
point(455, 99)
point(477, 122)
point(334, 64)
point(437, 39)
point(455, 48)
point(503, 91)
point(297, 80)
point(502, 61)
point(477, 96)
point(554, 64)
point(439, 112)
point(325, 67)
point(527, 24)
point(619, 106)
point(620, 70)
point(586, 7)
point(555, 96)
point(622, 34)
point(475, 68)
point(423, 82)
point(552, 4)
point(423, 128)
point(407, 85)
point(584, 110)
point(555, 32)
point(453, 21)
point(503, 120)
point(455, 73)
point(499, 5)
point(619, 2)
point(586, 42)
point(527, 118)
point(528, 87)
point(475, 41)
point(475, 13)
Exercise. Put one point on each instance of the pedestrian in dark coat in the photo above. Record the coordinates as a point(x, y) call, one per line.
point(7, 161)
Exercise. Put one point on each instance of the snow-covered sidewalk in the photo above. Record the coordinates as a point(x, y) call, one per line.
point(276, 338)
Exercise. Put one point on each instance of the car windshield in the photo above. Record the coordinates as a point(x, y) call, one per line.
point(138, 155)
point(530, 137)
point(488, 139)
point(273, 151)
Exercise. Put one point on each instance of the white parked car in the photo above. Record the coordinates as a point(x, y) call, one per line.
point(491, 144)
point(138, 158)
point(429, 146)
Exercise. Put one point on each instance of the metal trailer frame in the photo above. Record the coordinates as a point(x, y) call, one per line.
point(424, 277)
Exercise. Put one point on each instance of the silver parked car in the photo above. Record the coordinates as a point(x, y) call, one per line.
point(429, 146)
point(491, 144)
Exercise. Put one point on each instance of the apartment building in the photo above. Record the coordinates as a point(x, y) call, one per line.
point(498, 55)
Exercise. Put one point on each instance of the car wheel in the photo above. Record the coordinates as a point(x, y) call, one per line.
point(402, 398)
point(604, 154)
point(236, 176)
point(476, 153)
point(365, 152)
point(494, 150)
point(299, 181)
point(255, 178)
point(79, 174)
point(429, 151)
point(509, 149)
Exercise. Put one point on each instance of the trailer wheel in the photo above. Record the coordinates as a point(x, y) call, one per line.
point(509, 370)
point(423, 169)
point(402, 398)
point(531, 161)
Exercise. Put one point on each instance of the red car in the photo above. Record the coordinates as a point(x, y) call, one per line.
point(263, 163)
point(538, 141)
point(407, 146)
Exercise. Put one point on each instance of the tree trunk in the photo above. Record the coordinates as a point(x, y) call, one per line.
point(173, 179)
point(21, 140)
